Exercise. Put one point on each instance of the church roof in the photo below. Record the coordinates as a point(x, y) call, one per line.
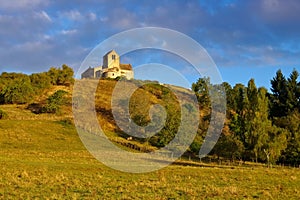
point(126, 66)
point(109, 52)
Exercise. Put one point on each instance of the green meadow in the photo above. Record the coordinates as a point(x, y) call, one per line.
point(43, 158)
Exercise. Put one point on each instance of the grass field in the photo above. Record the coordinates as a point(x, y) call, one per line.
point(43, 158)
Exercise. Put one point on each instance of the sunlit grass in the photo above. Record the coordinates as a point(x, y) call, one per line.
point(46, 159)
point(42, 157)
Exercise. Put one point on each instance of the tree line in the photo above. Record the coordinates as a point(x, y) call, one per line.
point(261, 125)
point(18, 88)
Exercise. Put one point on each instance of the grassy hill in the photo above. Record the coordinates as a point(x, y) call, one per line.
point(42, 157)
point(144, 97)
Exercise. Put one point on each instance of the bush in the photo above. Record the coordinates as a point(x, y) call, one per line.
point(2, 114)
point(55, 101)
point(66, 122)
point(16, 90)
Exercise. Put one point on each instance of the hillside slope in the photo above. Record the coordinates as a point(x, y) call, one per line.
point(177, 110)
point(141, 102)
point(45, 159)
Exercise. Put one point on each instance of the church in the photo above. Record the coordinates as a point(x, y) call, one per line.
point(111, 68)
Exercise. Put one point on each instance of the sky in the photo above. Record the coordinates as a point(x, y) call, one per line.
point(245, 39)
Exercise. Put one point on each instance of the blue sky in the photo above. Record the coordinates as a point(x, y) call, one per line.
point(246, 39)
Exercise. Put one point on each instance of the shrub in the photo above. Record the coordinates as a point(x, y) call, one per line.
point(2, 114)
point(55, 101)
point(66, 122)
point(17, 91)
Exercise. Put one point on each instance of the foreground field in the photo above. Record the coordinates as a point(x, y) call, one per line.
point(45, 159)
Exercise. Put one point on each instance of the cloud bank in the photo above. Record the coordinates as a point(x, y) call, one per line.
point(37, 34)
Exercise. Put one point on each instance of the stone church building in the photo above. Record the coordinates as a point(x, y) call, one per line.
point(111, 68)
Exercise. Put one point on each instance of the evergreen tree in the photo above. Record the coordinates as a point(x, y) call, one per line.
point(292, 92)
point(202, 92)
point(279, 95)
point(229, 98)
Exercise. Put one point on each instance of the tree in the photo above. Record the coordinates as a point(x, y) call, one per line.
point(40, 81)
point(261, 124)
point(239, 124)
point(229, 97)
point(251, 109)
point(202, 92)
point(17, 90)
point(229, 146)
point(286, 103)
point(252, 94)
point(279, 95)
point(53, 74)
point(292, 92)
point(291, 155)
point(63, 76)
point(276, 143)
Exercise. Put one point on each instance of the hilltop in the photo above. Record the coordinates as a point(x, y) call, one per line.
point(260, 126)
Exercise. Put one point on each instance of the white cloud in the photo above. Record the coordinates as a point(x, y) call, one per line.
point(43, 15)
point(46, 37)
point(121, 18)
point(68, 32)
point(92, 16)
point(103, 19)
point(32, 46)
point(72, 15)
